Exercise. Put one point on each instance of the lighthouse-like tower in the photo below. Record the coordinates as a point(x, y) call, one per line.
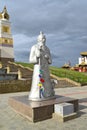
point(6, 40)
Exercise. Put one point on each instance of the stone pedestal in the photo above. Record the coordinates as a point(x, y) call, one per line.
point(34, 111)
point(38, 111)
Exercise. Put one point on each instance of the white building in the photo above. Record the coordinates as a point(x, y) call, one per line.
point(83, 62)
point(6, 40)
point(83, 58)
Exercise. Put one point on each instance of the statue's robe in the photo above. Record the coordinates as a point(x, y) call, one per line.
point(41, 87)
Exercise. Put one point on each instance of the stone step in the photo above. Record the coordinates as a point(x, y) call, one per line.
point(3, 71)
point(8, 76)
point(26, 73)
point(64, 83)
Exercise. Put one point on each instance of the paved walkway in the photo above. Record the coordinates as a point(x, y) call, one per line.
point(10, 120)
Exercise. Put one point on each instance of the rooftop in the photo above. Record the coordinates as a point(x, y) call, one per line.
point(83, 53)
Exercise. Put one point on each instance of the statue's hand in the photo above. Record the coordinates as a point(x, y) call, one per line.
point(40, 47)
point(38, 53)
point(46, 56)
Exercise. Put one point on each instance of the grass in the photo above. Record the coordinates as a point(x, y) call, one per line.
point(64, 73)
point(73, 75)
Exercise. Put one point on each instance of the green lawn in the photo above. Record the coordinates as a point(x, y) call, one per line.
point(64, 73)
point(71, 74)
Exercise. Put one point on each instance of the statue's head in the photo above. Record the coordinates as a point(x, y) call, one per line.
point(41, 38)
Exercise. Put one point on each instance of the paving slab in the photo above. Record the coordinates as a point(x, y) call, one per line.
point(10, 120)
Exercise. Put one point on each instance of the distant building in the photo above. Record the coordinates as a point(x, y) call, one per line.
point(83, 62)
point(6, 40)
point(83, 58)
point(66, 66)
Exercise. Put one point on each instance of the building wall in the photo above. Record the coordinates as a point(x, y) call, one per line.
point(7, 52)
point(83, 59)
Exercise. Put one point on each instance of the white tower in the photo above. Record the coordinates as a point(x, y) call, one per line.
point(6, 40)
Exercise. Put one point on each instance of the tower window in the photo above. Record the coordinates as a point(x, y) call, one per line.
point(5, 29)
point(6, 41)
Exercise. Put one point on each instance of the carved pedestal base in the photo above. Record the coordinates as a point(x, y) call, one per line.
point(31, 110)
point(38, 111)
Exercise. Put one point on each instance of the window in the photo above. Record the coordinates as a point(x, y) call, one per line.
point(5, 29)
point(6, 41)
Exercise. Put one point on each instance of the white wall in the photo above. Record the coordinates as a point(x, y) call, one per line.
point(7, 52)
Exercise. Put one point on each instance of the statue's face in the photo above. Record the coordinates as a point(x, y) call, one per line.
point(41, 44)
point(43, 40)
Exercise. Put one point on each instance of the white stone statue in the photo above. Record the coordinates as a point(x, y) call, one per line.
point(42, 88)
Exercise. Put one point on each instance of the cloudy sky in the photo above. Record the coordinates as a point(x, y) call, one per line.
point(64, 23)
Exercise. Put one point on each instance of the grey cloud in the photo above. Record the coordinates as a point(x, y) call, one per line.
point(63, 21)
point(22, 56)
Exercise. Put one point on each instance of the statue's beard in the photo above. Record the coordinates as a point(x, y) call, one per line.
point(41, 44)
